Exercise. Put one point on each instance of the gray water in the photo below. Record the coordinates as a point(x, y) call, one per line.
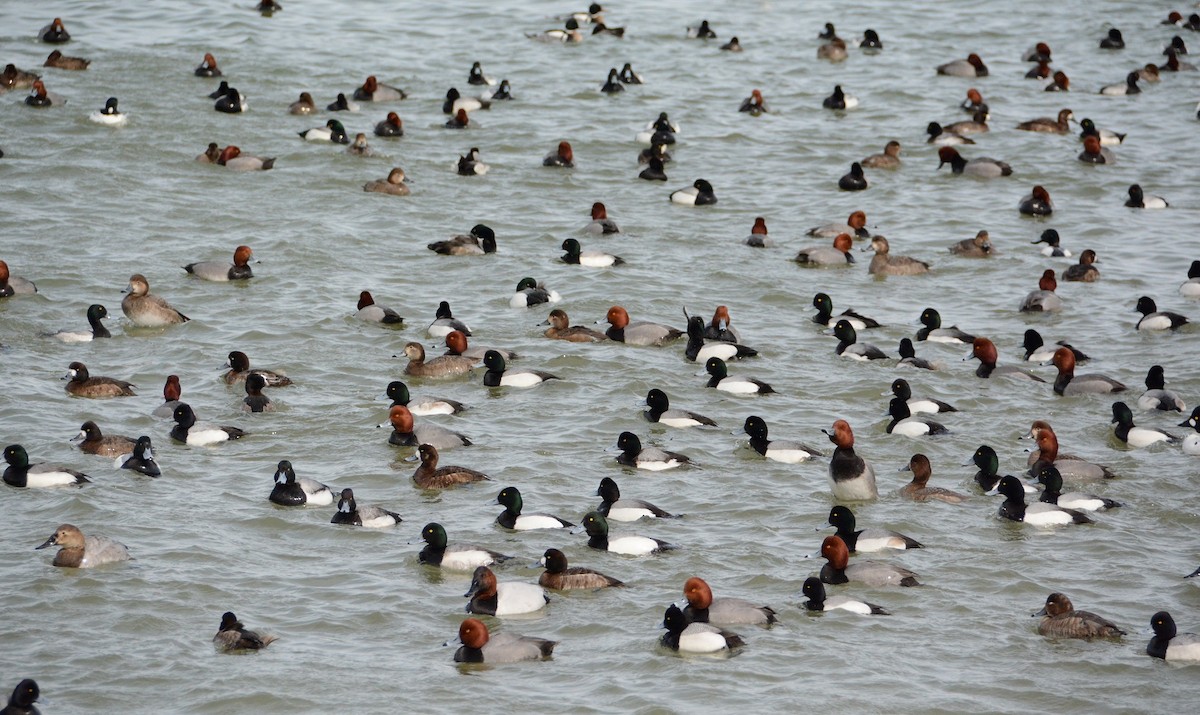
point(361, 623)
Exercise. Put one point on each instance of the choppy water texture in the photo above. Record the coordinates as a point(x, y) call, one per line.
point(361, 624)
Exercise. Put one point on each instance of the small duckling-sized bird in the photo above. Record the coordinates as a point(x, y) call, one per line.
point(479, 646)
point(558, 576)
point(84, 552)
point(1060, 619)
point(232, 636)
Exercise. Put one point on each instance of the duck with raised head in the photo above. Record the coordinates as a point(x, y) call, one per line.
point(513, 516)
point(531, 292)
point(849, 347)
point(855, 225)
point(23, 697)
point(838, 569)
point(233, 636)
point(198, 434)
point(851, 477)
point(933, 331)
point(982, 167)
point(255, 400)
point(1037, 203)
point(220, 271)
point(438, 367)
point(55, 33)
point(93, 441)
point(1156, 396)
point(498, 374)
point(660, 411)
point(919, 490)
point(637, 333)
point(889, 158)
point(633, 454)
point(239, 369)
point(1071, 467)
point(1036, 349)
point(406, 433)
point(373, 312)
point(390, 126)
point(902, 390)
point(883, 263)
point(1044, 299)
point(84, 552)
point(430, 476)
point(559, 576)
point(1155, 319)
point(81, 383)
point(145, 309)
point(95, 313)
point(978, 247)
point(232, 102)
point(854, 180)
point(41, 97)
point(838, 254)
point(1052, 493)
point(1068, 383)
point(601, 224)
point(984, 350)
point(332, 131)
point(1084, 271)
point(695, 637)
point(1059, 125)
point(988, 476)
point(1131, 434)
point(1140, 200)
point(939, 136)
point(700, 193)
point(758, 235)
point(814, 591)
point(290, 490)
point(703, 608)
point(372, 90)
point(395, 183)
point(351, 513)
point(786, 451)
point(23, 475)
point(614, 507)
point(141, 459)
point(697, 350)
point(867, 540)
point(1168, 643)
point(479, 646)
point(839, 99)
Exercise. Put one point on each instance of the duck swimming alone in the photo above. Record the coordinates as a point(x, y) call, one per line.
point(839, 99)
point(220, 271)
point(232, 636)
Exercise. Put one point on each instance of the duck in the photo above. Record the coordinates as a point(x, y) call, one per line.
point(481, 240)
point(653, 459)
point(695, 637)
point(638, 333)
point(885, 264)
point(190, 432)
point(303, 105)
point(23, 475)
point(430, 476)
point(239, 369)
point(11, 285)
point(854, 180)
point(814, 591)
point(1150, 73)
point(13, 78)
point(1059, 82)
point(908, 356)
point(902, 390)
point(904, 423)
point(700, 193)
point(856, 226)
point(660, 411)
point(851, 477)
point(788, 452)
point(498, 375)
point(984, 350)
point(970, 67)
point(55, 33)
point(444, 321)
point(1038, 53)
point(1189, 288)
point(612, 85)
point(628, 76)
point(290, 490)
point(1173, 64)
point(703, 608)
point(828, 33)
point(1059, 125)
point(359, 146)
point(754, 104)
point(233, 636)
point(1191, 443)
point(1107, 137)
point(109, 115)
point(372, 90)
point(406, 433)
point(1154, 319)
point(40, 97)
point(398, 393)
point(145, 309)
point(1129, 86)
point(84, 552)
point(333, 132)
point(1132, 435)
point(441, 366)
point(141, 459)
point(1061, 620)
point(973, 101)
point(655, 170)
point(867, 540)
point(1014, 507)
point(1168, 643)
point(211, 155)
point(596, 526)
point(341, 104)
point(456, 103)
point(849, 347)
point(613, 507)
point(220, 91)
point(95, 313)
point(839, 99)
point(395, 184)
point(459, 120)
point(982, 167)
point(562, 156)
point(978, 247)
point(934, 332)
point(82, 384)
point(1084, 271)
point(231, 158)
point(889, 158)
point(232, 102)
point(1156, 396)
point(390, 126)
point(558, 576)
point(1040, 71)
point(1036, 349)
point(561, 329)
point(1051, 479)
point(919, 490)
point(255, 400)
point(1053, 248)
point(834, 50)
point(454, 557)
point(870, 41)
point(23, 697)
point(988, 476)
point(1037, 203)
point(601, 224)
point(372, 312)
point(530, 292)
point(824, 305)
point(208, 67)
point(977, 124)
point(1093, 153)
point(938, 136)
point(758, 237)
point(479, 646)
point(1069, 466)
point(1113, 40)
point(838, 568)
point(659, 131)
point(171, 394)
point(1044, 299)
point(721, 327)
point(1068, 383)
point(93, 441)
point(369, 517)
point(570, 34)
point(221, 272)
point(698, 350)
point(720, 379)
point(1139, 200)
point(593, 259)
point(701, 32)
point(512, 518)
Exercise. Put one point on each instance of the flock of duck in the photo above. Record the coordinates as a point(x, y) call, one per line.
point(715, 344)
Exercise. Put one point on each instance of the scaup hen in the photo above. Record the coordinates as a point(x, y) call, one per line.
point(430, 476)
point(558, 576)
point(1060, 619)
point(82, 384)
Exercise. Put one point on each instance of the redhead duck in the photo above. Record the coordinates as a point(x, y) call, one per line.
point(1061, 125)
point(825, 316)
point(699, 351)
point(232, 102)
point(1107, 137)
point(430, 476)
point(369, 517)
point(512, 518)
point(23, 697)
point(703, 608)
point(460, 120)
point(232, 158)
point(1061, 620)
point(141, 459)
point(444, 321)
point(498, 374)
point(221, 272)
point(978, 247)
point(84, 552)
point(1040, 71)
point(1173, 18)
point(13, 78)
point(476, 76)
point(561, 329)
point(1172, 64)
point(889, 159)
point(885, 264)
point(455, 557)
point(563, 156)
point(919, 490)
point(839, 99)
point(1155, 319)
point(373, 90)
point(171, 394)
point(758, 236)
point(530, 293)
point(985, 352)
point(973, 101)
point(901, 389)
point(1014, 507)
point(1084, 270)
point(391, 126)
point(734, 45)
point(1139, 200)
point(934, 332)
point(854, 180)
point(700, 193)
point(406, 433)
point(239, 369)
point(1052, 240)
point(639, 333)
point(1191, 443)
point(970, 67)
point(720, 327)
point(441, 366)
point(481, 240)
point(39, 96)
point(1129, 86)
point(208, 67)
point(341, 104)
point(834, 50)
point(754, 105)
point(908, 356)
point(372, 312)
point(653, 459)
point(81, 384)
point(109, 115)
point(394, 184)
point(814, 591)
point(1044, 299)
point(601, 223)
point(720, 379)
point(1189, 288)
point(695, 637)
point(95, 313)
point(983, 167)
point(838, 568)
point(628, 76)
point(255, 400)
point(1036, 349)
point(596, 527)
point(11, 285)
point(867, 540)
point(478, 646)
point(558, 576)
point(1068, 383)
point(1168, 643)
point(1038, 53)
point(612, 85)
point(1132, 435)
point(939, 136)
point(233, 636)
point(1112, 41)
point(613, 507)
point(850, 476)
point(848, 345)
point(986, 459)
point(290, 490)
point(21, 474)
point(397, 392)
point(1156, 396)
point(1051, 479)
point(1060, 82)
point(199, 434)
point(701, 32)
point(788, 452)
point(55, 33)
point(1070, 466)
point(93, 441)
point(145, 309)
point(870, 41)
point(593, 259)
point(904, 423)
point(456, 103)
point(304, 105)
point(655, 171)
point(660, 411)
point(333, 131)
point(977, 124)
point(1037, 203)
